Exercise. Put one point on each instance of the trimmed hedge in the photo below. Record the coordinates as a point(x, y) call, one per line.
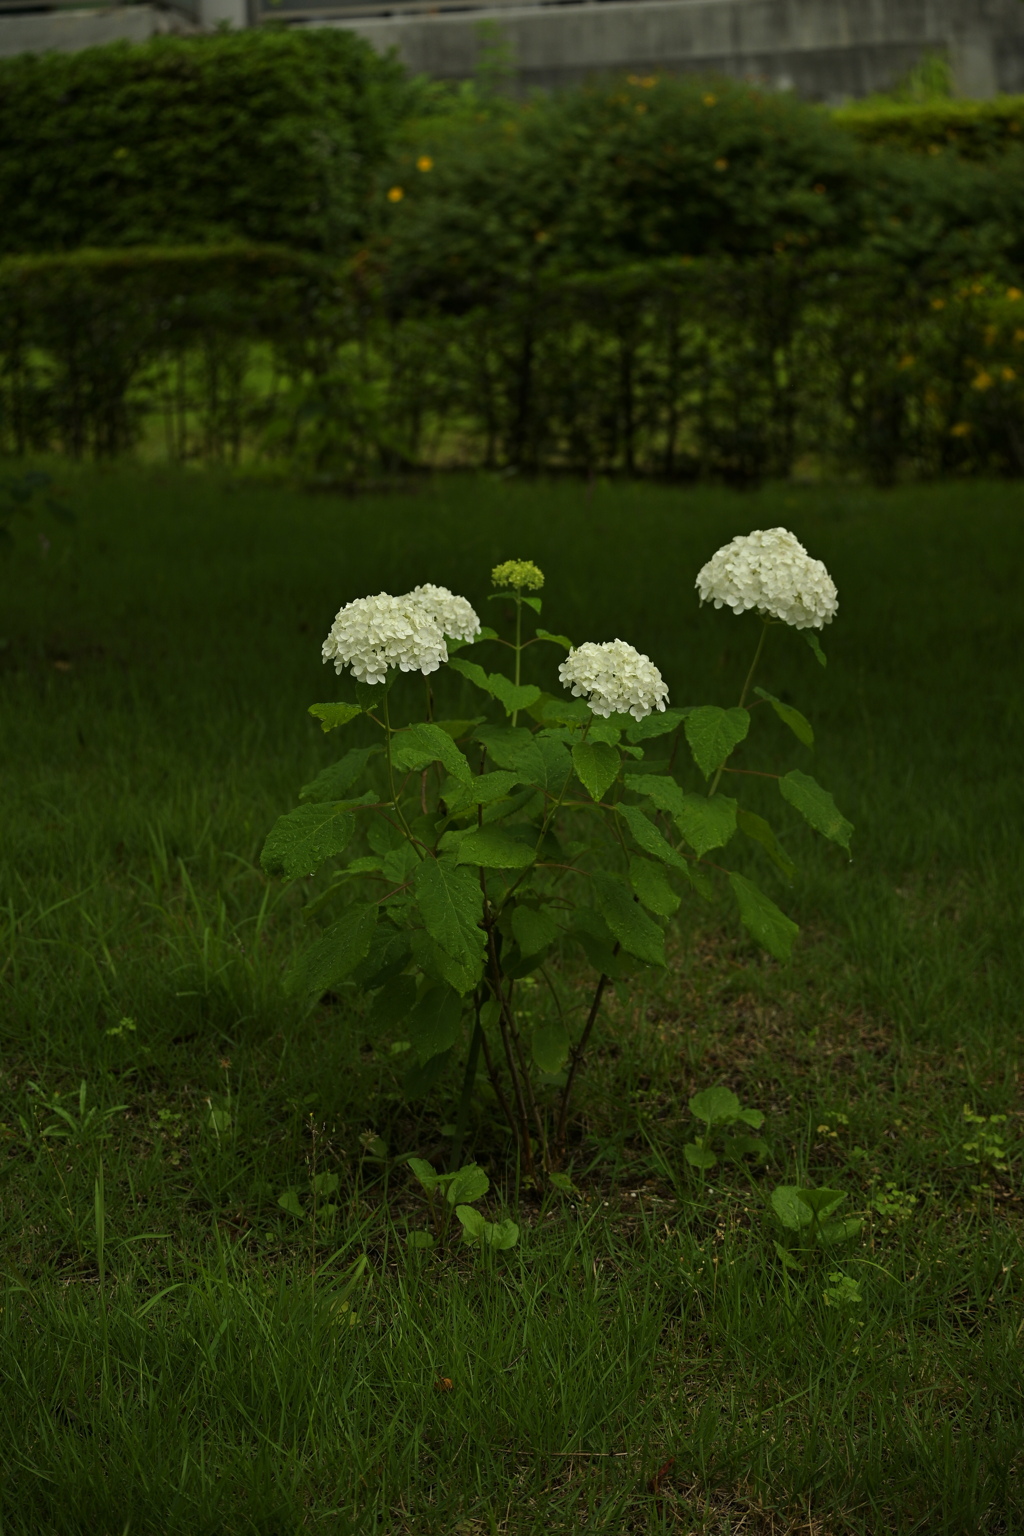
point(264, 136)
point(717, 368)
point(976, 130)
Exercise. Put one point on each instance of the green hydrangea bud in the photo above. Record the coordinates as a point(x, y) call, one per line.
point(520, 575)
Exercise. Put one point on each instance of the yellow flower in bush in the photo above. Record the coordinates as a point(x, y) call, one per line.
point(962, 429)
point(424, 163)
point(982, 381)
point(395, 195)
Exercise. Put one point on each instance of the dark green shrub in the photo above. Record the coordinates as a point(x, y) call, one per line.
point(976, 130)
point(265, 136)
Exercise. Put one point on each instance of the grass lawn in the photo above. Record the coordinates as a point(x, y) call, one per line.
point(181, 1354)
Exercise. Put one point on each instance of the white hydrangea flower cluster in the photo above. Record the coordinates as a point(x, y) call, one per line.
point(372, 634)
point(453, 615)
point(770, 570)
point(614, 679)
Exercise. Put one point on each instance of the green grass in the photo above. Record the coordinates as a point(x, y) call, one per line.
point(176, 1350)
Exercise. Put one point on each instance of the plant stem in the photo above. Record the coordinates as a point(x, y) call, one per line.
point(743, 696)
point(523, 1127)
point(391, 776)
point(468, 1082)
point(519, 646)
point(577, 1056)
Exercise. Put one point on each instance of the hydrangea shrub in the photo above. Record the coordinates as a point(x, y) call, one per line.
point(471, 851)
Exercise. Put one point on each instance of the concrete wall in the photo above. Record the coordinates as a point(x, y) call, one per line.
point(70, 31)
point(826, 50)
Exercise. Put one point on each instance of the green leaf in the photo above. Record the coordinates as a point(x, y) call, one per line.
point(333, 782)
point(333, 715)
point(471, 670)
point(484, 789)
point(450, 901)
point(550, 1046)
point(562, 640)
point(707, 823)
point(533, 602)
point(439, 965)
point(509, 695)
point(291, 1203)
point(422, 1076)
point(494, 849)
point(660, 789)
point(840, 1231)
point(738, 1147)
point(762, 918)
point(533, 930)
point(798, 723)
point(756, 827)
point(458, 728)
point(336, 953)
point(496, 1234)
point(656, 724)
point(420, 1240)
point(790, 1211)
point(544, 762)
point(699, 1157)
point(424, 1173)
point(716, 1106)
point(473, 1224)
point(504, 742)
point(388, 954)
point(821, 1202)
point(638, 934)
point(470, 1183)
point(301, 841)
point(713, 733)
point(647, 837)
point(392, 1005)
point(421, 745)
point(597, 767)
point(591, 931)
point(324, 1183)
point(787, 1258)
point(816, 806)
point(812, 641)
point(649, 883)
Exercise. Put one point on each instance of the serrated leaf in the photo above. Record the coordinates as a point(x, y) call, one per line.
point(509, 695)
point(638, 934)
point(713, 733)
point(562, 640)
point(483, 789)
point(543, 762)
point(301, 841)
point(656, 724)
point(333, 715)
point(597, 766)
point(660, 789)
point(716, 1106)
point(471, 670)
point(598, 942)
point(333, 782)
point(816, 806)
point(762, 918)
point(707, 823)
point(336, 953)
point(798, 723)
point(470, 1183)
point(549, 1045)
point(755, 827)
point(439, 965)
point(392, 1004)
point(450, 902)
point(504, 742)
point(649, 839)
point(421, 745)
point(388, 954)
point(492, 848)
point(649, 883)
point(699, 1157)
point(813, 642)
point(533, 930)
